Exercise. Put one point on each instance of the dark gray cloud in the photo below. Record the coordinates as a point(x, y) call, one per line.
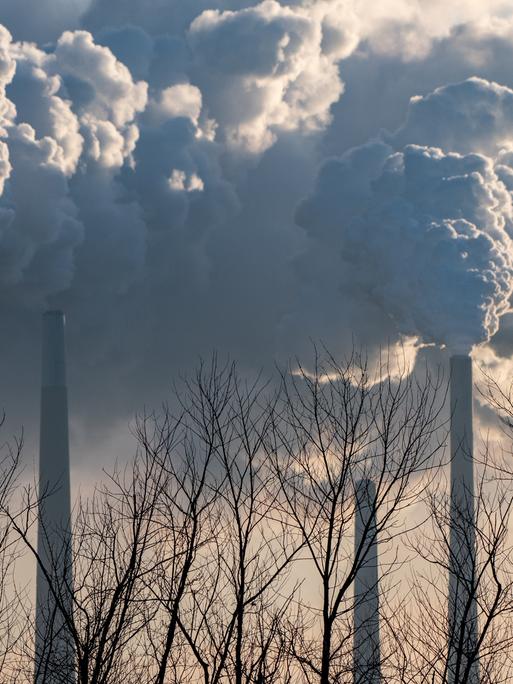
point(41, 21)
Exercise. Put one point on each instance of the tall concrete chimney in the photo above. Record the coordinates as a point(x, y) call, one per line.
point(54, 653)
point(462, 607)
point(366, 646)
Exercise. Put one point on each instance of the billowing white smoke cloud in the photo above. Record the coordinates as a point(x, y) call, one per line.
point(266, 68)
point(106, 98)
point(37, 249)
point(7, 70)
point(164, 147)
point(180, 100)
point(39, 225)
point(120, 168)
point(107, 148)
point(392, 27)
point(36, 94)
point(472, 116)
point(7, 109)
point(412, 29)
point(424, 233)
point(67, 120)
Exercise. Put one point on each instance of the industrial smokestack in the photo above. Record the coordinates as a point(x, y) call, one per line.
point(366, 646)
point(462, 664)
point(54, 653)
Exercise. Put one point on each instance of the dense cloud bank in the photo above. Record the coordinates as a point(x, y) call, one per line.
point(159, 179)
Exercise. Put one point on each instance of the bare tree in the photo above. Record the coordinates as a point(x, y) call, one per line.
point(433, 643)
point(103, 607)
point(333, 426)
point(220, 512)
point(184, 525)
point(235, 546)
point(434, 648)
point(12, 625)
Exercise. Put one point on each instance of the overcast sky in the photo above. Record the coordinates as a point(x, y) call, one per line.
point(188, 175)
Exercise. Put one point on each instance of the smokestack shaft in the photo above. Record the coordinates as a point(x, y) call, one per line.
point(366, 646)
point(463, 663)
point(53, 650)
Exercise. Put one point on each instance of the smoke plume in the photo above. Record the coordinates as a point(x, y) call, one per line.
point(421, 233)
point(154, 158)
